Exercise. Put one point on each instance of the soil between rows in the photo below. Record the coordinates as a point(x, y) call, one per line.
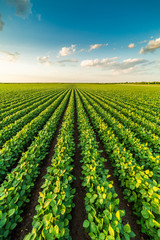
point(78, 213)
point(129, 217)
point(25, 227)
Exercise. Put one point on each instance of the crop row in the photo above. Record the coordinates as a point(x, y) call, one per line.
point(138, 117)
point(13, 148)
point(15, 190)
point(20, 106)
point(147, 137)
point(140, 151)
point(139, 108)
point(55, 201)
point(139, 188)
point(22, 112)
point(101, 202)
point(13, 101)
point(9, 131)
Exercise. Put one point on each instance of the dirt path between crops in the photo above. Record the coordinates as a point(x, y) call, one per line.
point(78, 213)
point(29, 211)
point(129, 217)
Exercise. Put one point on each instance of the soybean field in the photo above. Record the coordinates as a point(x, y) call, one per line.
point(79, 161)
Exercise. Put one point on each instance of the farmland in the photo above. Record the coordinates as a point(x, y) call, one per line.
point(79, 161)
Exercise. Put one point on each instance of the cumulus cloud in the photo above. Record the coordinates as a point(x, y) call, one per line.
point(131, 45)
point(44, 60)
point(1, 23)
point(9, 57)
point(103, 63)
point(131, 62)
point(95, 46)
point(114, 65)
point(151, 47)
point(23, 7)
point(66, 51)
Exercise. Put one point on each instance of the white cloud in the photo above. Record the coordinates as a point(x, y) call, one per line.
point(9, 57)
point(105, 62)
point(66, 51)
point(23, 7)
point(44, 60)
point(95, 46)
point(111, 64)
point(131, 45)
point(151, 47)
point(129, 64)
point(1, 23)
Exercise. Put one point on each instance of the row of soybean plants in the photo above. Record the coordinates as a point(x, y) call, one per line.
point(140, 117)
point(11, 129)
point(9, 99)
point(13, 148)
point(140, 188)
point(12, 99)
point(147, 111)
point(6, 112)
point(26, 108)
point(148, 101)
point(56, 199)
point(101, 202)
point(14, 102)
point(16, 188)
point(146, 137)
point(140, 151)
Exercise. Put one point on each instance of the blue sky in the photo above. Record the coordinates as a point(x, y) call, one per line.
point(84, 41)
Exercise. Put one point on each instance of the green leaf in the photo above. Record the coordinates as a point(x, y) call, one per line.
point(158, 232)
point(13, 226)
point(101, 236)
point(63, 211)
point(127, 228)
point(145, 213)
point(86, 224)
point(88, 195)
point(93, 227)
point(36, 225)
point(88, 208)
point(56, 230)
point(47, 203)
point(11, 212)
point(28, 236)
point(6, 233)
point(2, 222)
point(54, 209)
point(1, 214)
point(92, 236)
point(90, 218)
